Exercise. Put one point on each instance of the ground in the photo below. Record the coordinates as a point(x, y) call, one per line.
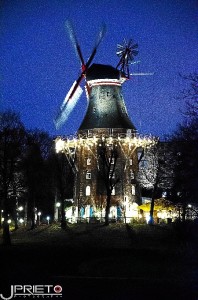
point(92, 261)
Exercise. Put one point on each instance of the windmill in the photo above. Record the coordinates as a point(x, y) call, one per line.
point(106, 119)
point(75, 91)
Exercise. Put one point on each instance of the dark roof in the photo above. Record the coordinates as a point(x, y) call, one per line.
point(98, 71)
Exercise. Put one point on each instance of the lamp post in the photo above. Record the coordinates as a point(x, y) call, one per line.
point(48, 218)
point(39, 217)
point(57, 214)
point(1, 217)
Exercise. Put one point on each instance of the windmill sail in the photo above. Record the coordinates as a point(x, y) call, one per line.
point(68, 105)
point(76, 91)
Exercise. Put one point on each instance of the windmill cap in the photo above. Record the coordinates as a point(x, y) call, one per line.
point(98, 71)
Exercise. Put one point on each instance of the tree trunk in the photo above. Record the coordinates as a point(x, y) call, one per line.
point(151, 220)
point(0, 218)
point(184, 212)
point(6, 232)
point(16, 226)
point(63, 220)
point(6, 227)
point(16, 218)
point(32, 218)
point(107, 209)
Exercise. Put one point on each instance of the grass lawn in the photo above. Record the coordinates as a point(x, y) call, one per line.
point(130, 261)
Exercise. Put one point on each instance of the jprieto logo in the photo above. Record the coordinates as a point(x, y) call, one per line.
point(34, 291)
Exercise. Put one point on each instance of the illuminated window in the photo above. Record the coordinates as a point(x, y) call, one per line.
point(123, 109)
point(129, 132)
point(112, 160)
point(88, 175)
point(133, 190)
point(88, 190)
point(89, 133)
point(130, 161)
point(110, 131)
point(88, 161)
point(113, 191)
point(131, 174)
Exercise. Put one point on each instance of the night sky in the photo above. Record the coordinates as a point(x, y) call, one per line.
point(39, 64)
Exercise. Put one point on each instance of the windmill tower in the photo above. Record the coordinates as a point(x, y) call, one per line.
point(106, 124)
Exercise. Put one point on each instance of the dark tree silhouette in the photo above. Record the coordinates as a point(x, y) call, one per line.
point(63, 179)
point(185, 189)
point(12, 140)
point(185, 151)
point(39, 145)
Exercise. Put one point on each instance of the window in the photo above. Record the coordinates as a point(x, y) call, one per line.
point(129, 132)
point(88, 175)
point(89, 134)
point(88, 161)
point(94, 110)
point(131, 174)
point(88, 190)
point(133, 190)
point(130, 161)
point(112, 160)
point(110, 131)
point(113, 192)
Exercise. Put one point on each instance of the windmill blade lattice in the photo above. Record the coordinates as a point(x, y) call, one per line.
point(74, 41)
point(98, 41)
point(126, 51)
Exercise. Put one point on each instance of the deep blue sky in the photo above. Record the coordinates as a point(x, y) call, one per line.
point(38, 62)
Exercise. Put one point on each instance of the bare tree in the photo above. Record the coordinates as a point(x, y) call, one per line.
point(155, 172)
point(190, 96)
